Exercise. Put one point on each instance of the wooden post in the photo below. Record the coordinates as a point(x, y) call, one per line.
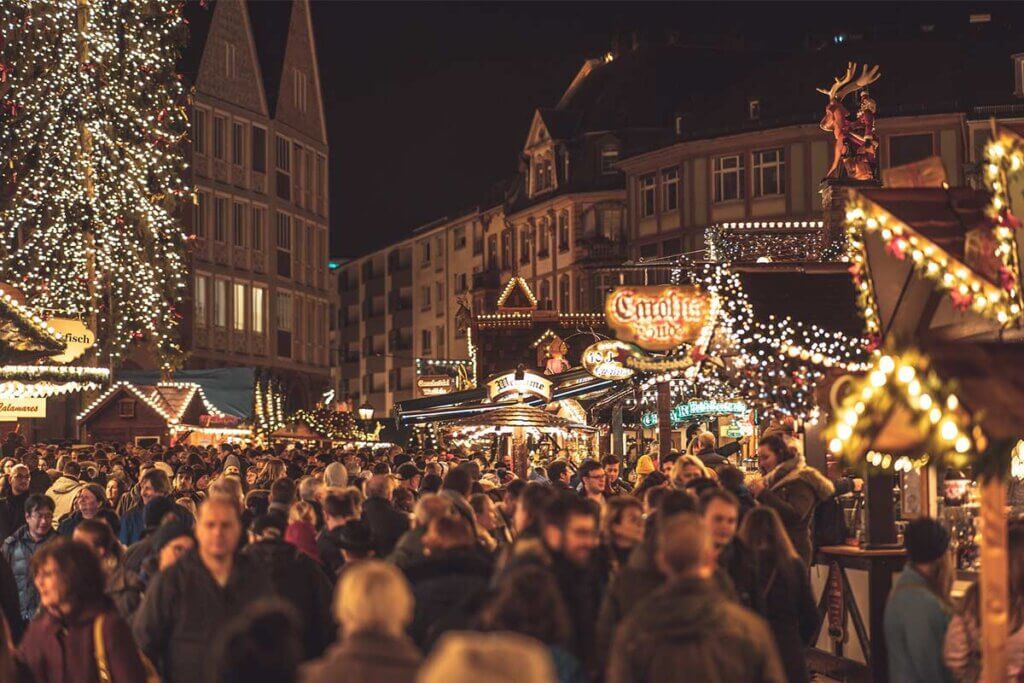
point(994, 581)
point(617, 449)
point(664, 421)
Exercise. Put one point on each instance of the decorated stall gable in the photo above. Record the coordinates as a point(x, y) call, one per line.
point(658, 318)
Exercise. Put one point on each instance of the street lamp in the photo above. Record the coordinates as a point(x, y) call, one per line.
point(366, 412)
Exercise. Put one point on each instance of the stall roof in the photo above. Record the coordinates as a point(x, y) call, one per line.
point(230, 389)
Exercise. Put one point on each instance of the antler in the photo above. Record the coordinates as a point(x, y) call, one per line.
point(868, 75)
point(839, 82)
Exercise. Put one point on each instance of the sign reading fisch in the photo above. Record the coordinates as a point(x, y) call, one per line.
point(13, 408)
point(76, 336)
point(434, 385)
point(508, 386)
point(604, 359)
point(658, 318)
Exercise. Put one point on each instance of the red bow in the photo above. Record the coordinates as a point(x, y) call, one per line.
point(961, 302)
point(1006, 278)
point(897, 247)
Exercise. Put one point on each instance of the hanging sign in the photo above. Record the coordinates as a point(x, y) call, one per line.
point(508, 387)
point(657, 318)
point(603, 360)
point(434, 385)
point(13, 408)
point(77, 337)
point(681, 412)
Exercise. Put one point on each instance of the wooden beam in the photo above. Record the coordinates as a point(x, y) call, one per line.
point(994, 581)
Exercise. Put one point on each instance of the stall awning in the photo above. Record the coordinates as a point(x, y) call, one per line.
point(518, 415)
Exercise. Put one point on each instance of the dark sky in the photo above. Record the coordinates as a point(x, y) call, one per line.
point(428, 103)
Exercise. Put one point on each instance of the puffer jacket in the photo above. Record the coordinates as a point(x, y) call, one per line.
point(686, 626)
point(63, 492)
point(18, 550)
point(794, 490)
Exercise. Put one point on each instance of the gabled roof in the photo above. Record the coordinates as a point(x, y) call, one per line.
point(24, 336)
point(517, 294)
point(170, 400)
point(270, 21)
point(198, 18)
point(561, 125)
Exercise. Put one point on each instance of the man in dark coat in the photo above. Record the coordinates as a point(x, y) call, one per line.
point(10, 608)
point(188, 604)
point(687, 626)
point(296, 578)
point(706, 451)
point(39, 480)
point(720, 510)
point(15, 492)
point(386, 523)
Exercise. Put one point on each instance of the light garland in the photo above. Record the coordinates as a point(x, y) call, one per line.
point(769, 241)
point(1005, 157)
point(510, 285)
point(91, 136)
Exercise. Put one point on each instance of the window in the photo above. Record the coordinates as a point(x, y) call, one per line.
point(220, 303)
point(754, 109)
point(283, 319)
point(220, 219)
point(425, 345)
point(669, 189)
point(199, 144)
point(301, 89)
point(542, 174)
point(259, 149)
point(258, 217)
point(563, 231)
point(609, 157)
point(126, 408)
point(238, 225)
point(283, 165)
point(219, 132)
point(478, 240)
point(906, 149)
point(492, 251)
point(459, 238)
point(238, 307)
point(508, 249)
point(439, 297)
point(425, 252)
point(524, 245)
point(230, 61)
point(284, 245)
point(259, 296)
point(728, 178)
point(563, 293)
point(237, 143)
point(544, 239)
point(202, 283)
point(769, 168)
point(321, 183)
point(425, 298)
point(460, 283)
point(672, 247)
point(611, 223)
point(545, 293)
point(647, 194)
point(199, 214)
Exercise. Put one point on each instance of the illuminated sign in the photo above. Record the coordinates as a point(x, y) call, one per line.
point(508, 387)
point(657, 318)
point(604, 360)
point(13, 408)
point(75, 335)
point(434, 385)
point(682, 412)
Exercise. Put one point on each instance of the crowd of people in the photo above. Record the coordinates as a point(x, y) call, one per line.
point(183, 564)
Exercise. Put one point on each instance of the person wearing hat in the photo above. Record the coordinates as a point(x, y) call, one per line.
point(356, 542)
point(918, 610)
point(409, 477)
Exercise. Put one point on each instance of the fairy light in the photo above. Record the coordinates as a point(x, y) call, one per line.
point(90, 230)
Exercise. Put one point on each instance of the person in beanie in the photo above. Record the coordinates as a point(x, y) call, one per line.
point(918, 610)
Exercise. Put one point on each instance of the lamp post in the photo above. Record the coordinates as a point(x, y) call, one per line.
point(366, 412)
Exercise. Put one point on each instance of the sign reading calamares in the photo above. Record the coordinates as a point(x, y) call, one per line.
point(657, 318)
point(13, 408)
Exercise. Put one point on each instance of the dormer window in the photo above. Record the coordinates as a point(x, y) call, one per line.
point(754, 109)
point(543, 174)
point(1018, 69)
point(609, 157)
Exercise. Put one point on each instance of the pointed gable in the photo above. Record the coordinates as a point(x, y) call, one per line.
point(229, 69)
point(298, 102)
point(517, 296)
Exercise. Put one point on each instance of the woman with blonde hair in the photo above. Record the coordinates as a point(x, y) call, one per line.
point(374, 605)
point(785, 589)
point(687, 468)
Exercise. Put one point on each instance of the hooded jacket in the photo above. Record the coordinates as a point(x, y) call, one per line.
point(18, 550)
point(794, 490)
point(63, 492)
point(686, 626)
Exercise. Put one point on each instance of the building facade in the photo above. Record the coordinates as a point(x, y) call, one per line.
point(260, 292)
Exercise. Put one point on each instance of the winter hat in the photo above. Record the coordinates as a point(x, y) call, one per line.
point(926, 540)
point(336, 475)
point(354, 536)
point(155, 511)
point(168, 532)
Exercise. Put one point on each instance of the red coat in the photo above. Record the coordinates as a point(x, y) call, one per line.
point(72, 659)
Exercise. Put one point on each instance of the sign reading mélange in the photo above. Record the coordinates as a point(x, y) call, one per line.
point(434, 385)
point(603, 360)
point(657, 318)
point(509, 386)
point(75, 334)
point(13, 408)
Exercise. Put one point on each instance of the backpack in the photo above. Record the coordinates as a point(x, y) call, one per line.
point(829, 523)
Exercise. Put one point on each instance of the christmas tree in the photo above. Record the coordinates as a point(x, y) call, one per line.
point(92, 125)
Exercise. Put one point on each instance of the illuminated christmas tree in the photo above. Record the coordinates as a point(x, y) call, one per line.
point(92, 124)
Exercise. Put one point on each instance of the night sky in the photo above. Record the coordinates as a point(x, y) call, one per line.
point(428, 104)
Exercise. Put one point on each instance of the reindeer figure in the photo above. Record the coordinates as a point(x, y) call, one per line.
point(857, 146)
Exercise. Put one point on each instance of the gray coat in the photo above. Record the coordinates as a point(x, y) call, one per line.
point(18, 550)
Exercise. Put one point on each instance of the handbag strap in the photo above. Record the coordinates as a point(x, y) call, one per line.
point(102, 665)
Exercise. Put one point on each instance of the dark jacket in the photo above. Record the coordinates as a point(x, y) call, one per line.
point(711, 458)
point(126, 588)
point(18, 550)
point(409, 548)
point(793, 490)
point(791, 612)
point(366, 658)
point(71, 522)
point(329, 547)
point(631, 584)
point(686, 626)
point(386, 524)
point(738, 564)
point(133, 524)
point(299, 580)
point(12, 512)
point(10, 607)
point(446, 586)
point(63, 650)
point(581, 591)
point(184, 610)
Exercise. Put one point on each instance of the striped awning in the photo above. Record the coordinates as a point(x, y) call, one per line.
point(518, 415)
